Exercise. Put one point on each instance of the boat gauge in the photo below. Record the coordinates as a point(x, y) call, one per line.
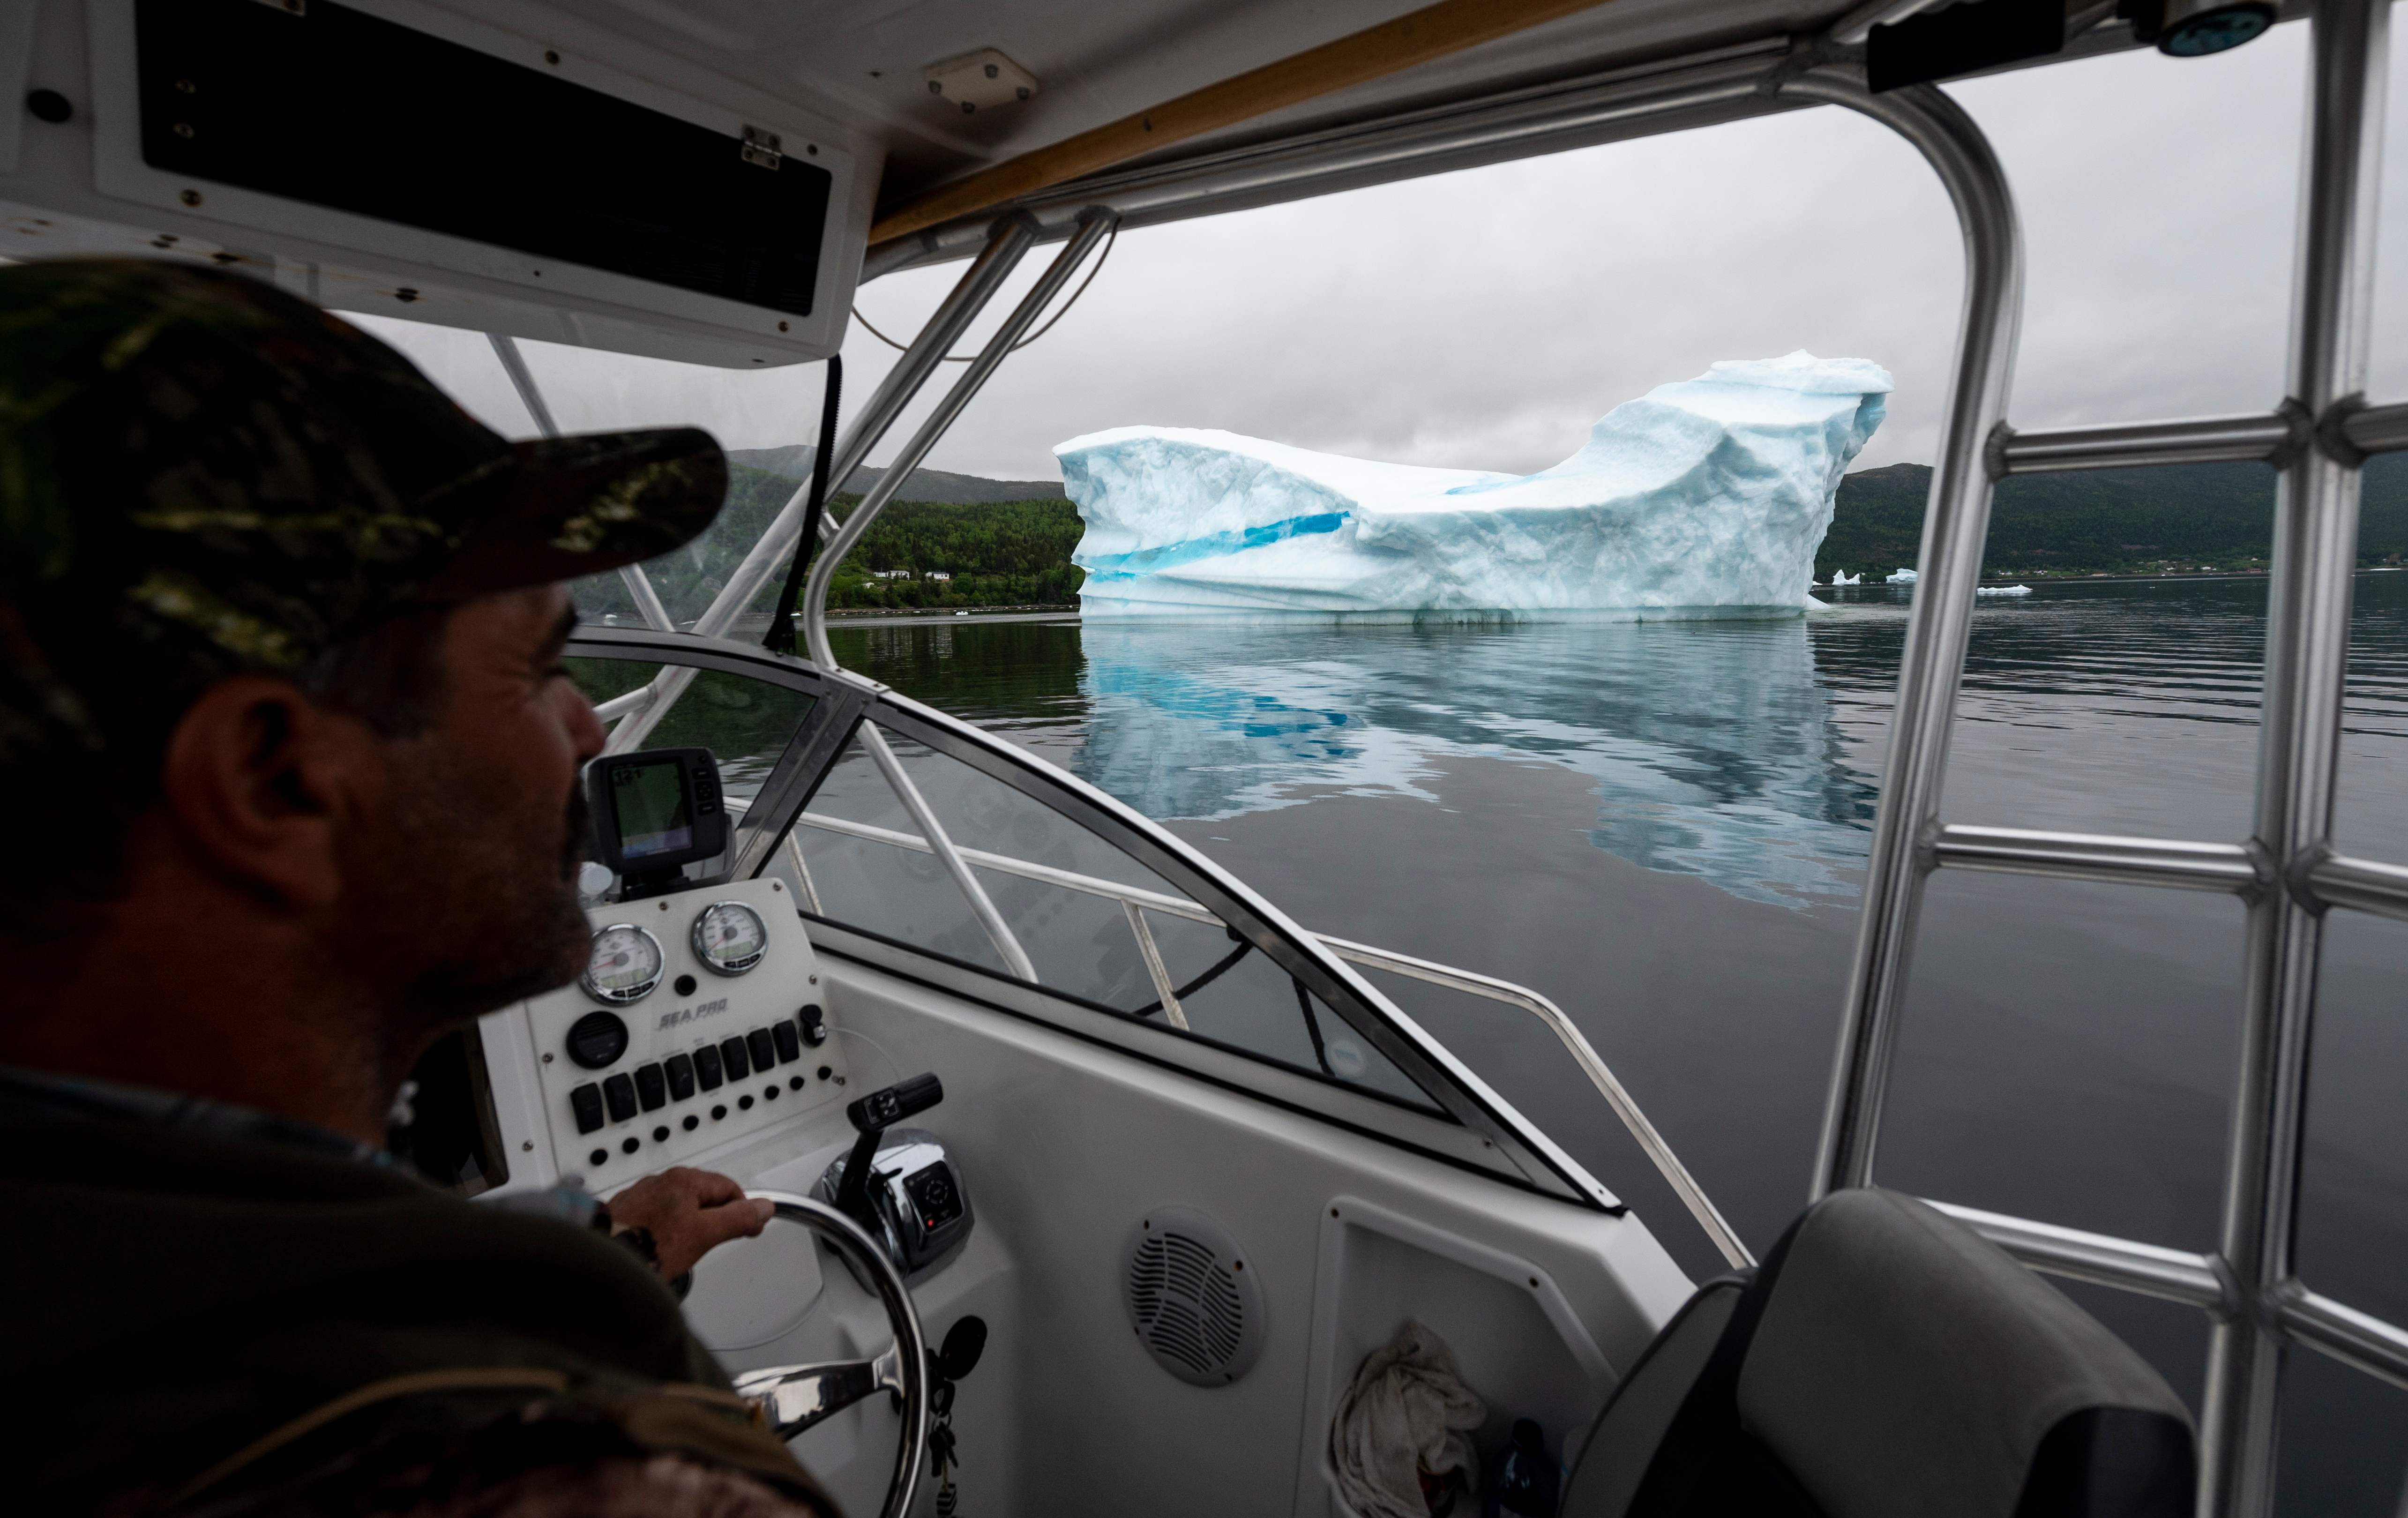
point(625, 965)
point(730, 938)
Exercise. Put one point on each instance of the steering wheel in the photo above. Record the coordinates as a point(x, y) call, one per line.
point(793, 1397)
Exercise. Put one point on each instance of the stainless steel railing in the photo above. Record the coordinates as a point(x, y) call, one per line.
point(2286, 871)
point(1137, 901)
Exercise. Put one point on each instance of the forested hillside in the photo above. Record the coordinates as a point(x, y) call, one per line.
point(2112, 520)
point(793, 461)
point(998, 553)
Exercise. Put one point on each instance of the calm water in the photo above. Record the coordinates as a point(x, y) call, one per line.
point(1663, 826)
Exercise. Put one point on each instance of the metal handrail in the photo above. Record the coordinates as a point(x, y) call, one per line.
point(2095, 856)
point(940, 843)
point(1956, 525)
point(2355, 1339)
point(2287, 872)
point(2103, 1260)
point(2246, 439)
point(2362, 884)
point(1007, 241)
point(1017, 231)
point(1668, 1164)
point(1135, 899)
point(2299, 721)
point(640, 584)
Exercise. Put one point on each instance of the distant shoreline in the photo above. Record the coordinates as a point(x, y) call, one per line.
point(2104, 579)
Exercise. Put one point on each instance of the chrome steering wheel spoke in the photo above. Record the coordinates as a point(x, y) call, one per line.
point(794, 1398)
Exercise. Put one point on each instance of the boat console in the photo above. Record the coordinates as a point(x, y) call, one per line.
point(700, 1033)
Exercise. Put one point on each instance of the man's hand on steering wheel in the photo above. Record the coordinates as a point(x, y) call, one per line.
point(687, 1212)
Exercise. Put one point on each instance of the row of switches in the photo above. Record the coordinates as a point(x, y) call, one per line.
point(680, 1076)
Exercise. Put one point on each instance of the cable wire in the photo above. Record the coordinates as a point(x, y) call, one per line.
point(1109, 237)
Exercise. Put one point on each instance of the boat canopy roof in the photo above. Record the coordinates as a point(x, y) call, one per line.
point(534, 170)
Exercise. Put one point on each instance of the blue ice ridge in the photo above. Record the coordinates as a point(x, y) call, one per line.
point(1147, 560)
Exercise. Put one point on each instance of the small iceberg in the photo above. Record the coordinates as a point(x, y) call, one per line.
point(1708, 497)
point(1905, 577)
point(1841, 576)
point(2003, 589)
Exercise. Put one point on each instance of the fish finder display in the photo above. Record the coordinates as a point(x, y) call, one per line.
point(654, 811)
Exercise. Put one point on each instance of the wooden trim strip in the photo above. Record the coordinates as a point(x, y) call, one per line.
point(1390, 47)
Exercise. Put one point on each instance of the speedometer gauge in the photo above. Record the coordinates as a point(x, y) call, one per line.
point(730, 938)
point(625, 964)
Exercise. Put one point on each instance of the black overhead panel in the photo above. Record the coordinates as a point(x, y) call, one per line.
point(1962, 38)
point(335, 107)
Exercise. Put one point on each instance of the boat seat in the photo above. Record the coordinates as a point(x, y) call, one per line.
point(1885, 1360)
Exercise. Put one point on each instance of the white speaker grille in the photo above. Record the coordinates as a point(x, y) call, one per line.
point(1192, 1299)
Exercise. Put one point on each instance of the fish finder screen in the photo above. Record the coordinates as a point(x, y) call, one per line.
point(655, 815)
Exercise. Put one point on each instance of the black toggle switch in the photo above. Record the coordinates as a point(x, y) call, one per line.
point(586, 1102)
point(764, 1050)
point(649, 1089)
point(814, 1024)
point(705, 1068)
point(789, 1047)
point(620, 1093)
point(733, 1059)
point(680, 1073)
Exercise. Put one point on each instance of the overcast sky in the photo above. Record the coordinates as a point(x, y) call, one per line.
point(1482, 319)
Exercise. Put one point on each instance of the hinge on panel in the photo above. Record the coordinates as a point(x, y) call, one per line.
point(761, 149)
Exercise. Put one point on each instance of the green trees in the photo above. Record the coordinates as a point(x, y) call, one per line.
point(2132, 521)
point(997, 553)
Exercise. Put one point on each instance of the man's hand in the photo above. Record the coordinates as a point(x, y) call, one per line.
point(689, 1212)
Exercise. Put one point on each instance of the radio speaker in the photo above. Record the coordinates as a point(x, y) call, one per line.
point(1192, 1297)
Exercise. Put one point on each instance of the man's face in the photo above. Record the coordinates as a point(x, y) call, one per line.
point(471, 900)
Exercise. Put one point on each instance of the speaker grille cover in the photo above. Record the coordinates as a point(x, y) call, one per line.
point(1192, 1297)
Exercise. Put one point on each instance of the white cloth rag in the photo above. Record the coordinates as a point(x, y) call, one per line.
point(1405, 1413)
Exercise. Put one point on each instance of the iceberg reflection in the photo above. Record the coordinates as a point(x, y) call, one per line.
point(1715, 749)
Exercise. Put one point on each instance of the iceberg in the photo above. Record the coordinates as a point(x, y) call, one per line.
point(1905, 577)
point(2003, 589)
point(1841, 576)
point(1708, 497)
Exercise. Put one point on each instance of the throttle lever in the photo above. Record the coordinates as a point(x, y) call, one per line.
point(873, 1116)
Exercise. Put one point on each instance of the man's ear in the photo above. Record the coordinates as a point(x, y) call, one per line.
point(263, 784)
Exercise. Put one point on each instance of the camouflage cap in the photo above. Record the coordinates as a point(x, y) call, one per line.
point(224, 477)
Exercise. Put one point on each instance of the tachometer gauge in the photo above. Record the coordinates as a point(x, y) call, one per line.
point(625, 964)
point(730, 938)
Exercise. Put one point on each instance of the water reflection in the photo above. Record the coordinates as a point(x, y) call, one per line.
point(1713, 747)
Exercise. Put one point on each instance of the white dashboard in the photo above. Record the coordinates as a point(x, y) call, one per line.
point(678, 1061)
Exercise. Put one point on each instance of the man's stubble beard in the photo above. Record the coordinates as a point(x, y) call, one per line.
point(477, 907)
